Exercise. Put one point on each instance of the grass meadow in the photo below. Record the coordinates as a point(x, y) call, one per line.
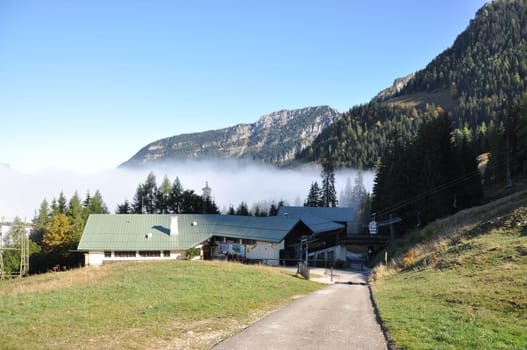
point(460, 289)
point(178, 304)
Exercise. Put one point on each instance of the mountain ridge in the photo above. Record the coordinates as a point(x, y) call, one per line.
point(274, 138)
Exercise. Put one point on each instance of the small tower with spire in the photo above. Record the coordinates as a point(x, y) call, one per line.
point(206, 191)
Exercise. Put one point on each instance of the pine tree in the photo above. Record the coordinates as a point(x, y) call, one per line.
point(61, 203)
point(358, 192)
point(138, 201)
point(150, 193)
point(58, 206)
point(243, 209)
point(273, 210)
point(209, 206)
point(40, 222)
point(314, 196)
point(75, 212)
point(97, 205)
point(124, 208)
point(329, 193)
point(346, 195)
point(176, 197)
point(163, 196)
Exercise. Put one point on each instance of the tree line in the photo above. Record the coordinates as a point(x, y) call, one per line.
point(55, 234)
point(58, 226)
point(167, 198)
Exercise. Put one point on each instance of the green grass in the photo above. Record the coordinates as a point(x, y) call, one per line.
point(465, 291)
point(141, 305)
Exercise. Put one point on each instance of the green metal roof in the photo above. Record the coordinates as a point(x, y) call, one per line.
point(319, 219)
point(135, 232)
point(270, 229)
point(327, 213)
point(152, 231)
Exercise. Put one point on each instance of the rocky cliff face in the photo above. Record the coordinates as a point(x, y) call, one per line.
point(275, 138)
point(397, 86)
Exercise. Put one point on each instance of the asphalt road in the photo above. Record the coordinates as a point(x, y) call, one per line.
point(340, 316)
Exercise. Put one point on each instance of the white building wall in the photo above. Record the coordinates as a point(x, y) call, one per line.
point(95, 258)
point(340, 253)
point(268, 252)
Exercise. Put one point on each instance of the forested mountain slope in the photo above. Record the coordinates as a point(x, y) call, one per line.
point(476, 81)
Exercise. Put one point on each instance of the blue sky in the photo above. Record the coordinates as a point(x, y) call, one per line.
point(85, 84)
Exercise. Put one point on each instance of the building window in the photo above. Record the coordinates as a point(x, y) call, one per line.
point(166, 253)
point(249, 241)
point(107, 254)
point(150, 253)
point(125, 254)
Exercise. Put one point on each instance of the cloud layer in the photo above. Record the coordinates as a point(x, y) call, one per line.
point(231, 183)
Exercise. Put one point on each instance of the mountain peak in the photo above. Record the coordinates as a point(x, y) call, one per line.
point(274, 138)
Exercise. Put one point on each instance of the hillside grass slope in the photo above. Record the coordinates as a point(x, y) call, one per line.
point(157, 305)
point(460, 282)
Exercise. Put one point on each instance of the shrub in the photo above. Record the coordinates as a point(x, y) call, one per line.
point(409, 258)
point(192, 252)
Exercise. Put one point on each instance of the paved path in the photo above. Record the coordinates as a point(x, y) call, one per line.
point(340, 316)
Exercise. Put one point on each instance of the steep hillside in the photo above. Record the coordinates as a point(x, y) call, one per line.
point(475, 81)
point(485, 68)
point(274, 138)
point(459, 283)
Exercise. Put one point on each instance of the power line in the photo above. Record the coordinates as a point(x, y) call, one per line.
point(441, 187)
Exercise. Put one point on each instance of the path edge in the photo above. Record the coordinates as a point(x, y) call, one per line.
point(389, 341)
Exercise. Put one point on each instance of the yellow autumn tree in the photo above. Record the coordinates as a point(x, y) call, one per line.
point(60, 235)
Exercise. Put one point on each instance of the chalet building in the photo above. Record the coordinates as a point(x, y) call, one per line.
point(271, 240)
point(327, 244)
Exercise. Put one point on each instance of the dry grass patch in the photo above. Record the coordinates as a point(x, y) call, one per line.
point(52, 281)
point(157, 305)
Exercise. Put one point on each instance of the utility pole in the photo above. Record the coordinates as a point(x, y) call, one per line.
point(24, 255)
point(1, 264)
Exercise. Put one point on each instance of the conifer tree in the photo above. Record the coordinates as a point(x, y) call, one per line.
point(75, 212)
point(138, 201)
point(163, 196)
point(40, 222)
point(97, 205)
point(150, 193)
point(358, 192)
point(328, 192)
point(314, 196)
point(243, 209)
point(346, 195)
point(176, 197)
point(273, 211)
point(124, 208)
point(191, 203)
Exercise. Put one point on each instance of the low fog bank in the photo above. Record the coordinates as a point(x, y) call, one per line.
point(231, 182)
